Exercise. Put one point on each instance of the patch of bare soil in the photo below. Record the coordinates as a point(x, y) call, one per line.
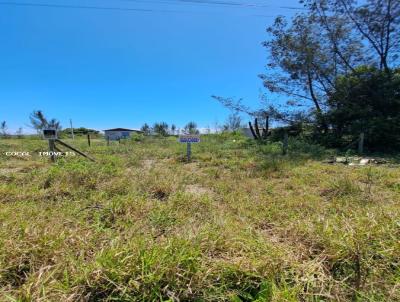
point(8, 171)
point(148, 164)
point(198, 190)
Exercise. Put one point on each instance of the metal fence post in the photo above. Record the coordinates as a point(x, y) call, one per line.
point(189, 151)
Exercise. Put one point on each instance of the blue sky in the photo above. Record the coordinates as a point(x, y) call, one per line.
point(116, 68)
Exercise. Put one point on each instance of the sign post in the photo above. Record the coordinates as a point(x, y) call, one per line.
point(189, 139)
point(52, 149)
point(51, 136)
point(189, 151)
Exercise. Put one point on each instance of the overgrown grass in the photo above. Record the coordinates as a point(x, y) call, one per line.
point(239, 223)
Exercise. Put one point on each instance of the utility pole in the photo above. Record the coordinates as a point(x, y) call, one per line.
point(72, 129)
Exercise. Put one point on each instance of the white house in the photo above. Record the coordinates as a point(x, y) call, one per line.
point(119, 133)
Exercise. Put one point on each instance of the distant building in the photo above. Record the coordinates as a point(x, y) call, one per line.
point(247, 132)
point(119, 133)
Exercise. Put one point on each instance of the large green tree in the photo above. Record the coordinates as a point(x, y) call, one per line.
point(367, 100)
point(315, 57)
point(329, 51)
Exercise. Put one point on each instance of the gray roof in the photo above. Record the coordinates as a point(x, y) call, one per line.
point(122, 129)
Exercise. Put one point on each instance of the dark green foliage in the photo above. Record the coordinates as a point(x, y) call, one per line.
point(264, 133)
point(173, 129)
point(161, 128)
point(367, 100)
point(80, 131)
point(191, 128)
point(146, 129)
point(294, 130)
point(336, 63)
point(40, 122)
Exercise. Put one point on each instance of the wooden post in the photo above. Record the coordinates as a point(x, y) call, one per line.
point(88, 139)
point(73, 149)
point(72, 129)
point(108, 140)
point(361, 144)
point(189, 151)
point(285, 143)
point(52, 150)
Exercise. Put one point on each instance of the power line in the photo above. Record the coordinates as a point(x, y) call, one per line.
point(207, 2)
point(84, 7)
point(226, 3)
point(293, 7)
point(216, 2)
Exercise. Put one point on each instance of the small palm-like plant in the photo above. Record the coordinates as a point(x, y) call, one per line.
point(264, 133)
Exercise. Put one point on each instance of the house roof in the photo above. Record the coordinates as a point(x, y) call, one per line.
point(122, 129)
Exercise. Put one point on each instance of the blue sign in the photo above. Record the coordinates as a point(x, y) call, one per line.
point(189, 139)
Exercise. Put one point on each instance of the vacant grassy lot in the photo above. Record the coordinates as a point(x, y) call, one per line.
point(239, 223)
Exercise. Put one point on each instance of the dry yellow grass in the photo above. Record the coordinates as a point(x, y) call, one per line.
point(239, 223)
